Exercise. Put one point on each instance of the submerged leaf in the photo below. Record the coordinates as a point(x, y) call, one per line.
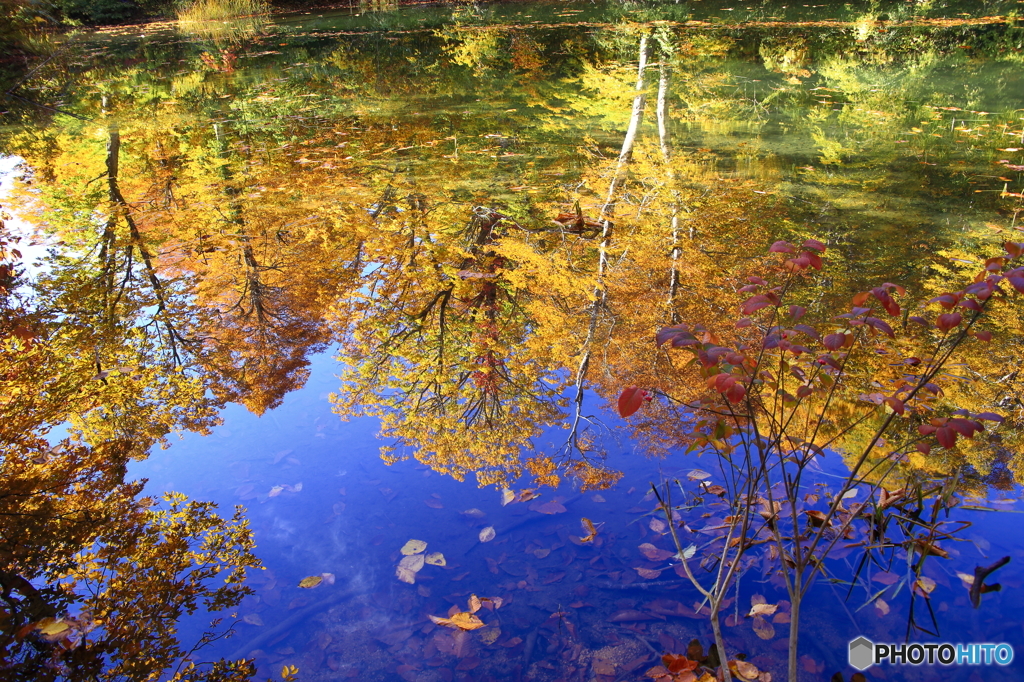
point(311, 582)
point(436, 559)
point(487, 534)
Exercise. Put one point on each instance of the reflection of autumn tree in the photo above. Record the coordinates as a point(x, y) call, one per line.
point(433, 347)
point(93, 581)
point(263, 274)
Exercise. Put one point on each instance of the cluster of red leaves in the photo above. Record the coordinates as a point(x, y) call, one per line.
point(729, 372)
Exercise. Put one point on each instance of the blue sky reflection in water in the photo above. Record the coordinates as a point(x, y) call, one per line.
point(339, 509)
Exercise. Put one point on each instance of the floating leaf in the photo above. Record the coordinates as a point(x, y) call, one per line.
point(763, 609)
point(412, 563)
point(883, 608)
point(698, 475)
point(589, 529)
point(405, 575)
point(648, 574)
point(461, 620)
point(474, 513)
point(658, 526)
point(436, 559)
point(311, 582)
point(924, 586)
point(413, 547)
point(744, 669)
point(487, 534)
point(507, 496)
point(473, 603)
point(275, 491)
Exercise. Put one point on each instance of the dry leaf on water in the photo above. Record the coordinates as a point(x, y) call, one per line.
point(461, 620)
point(589, 529)
point(507, 496)
point(763, 609)
point(648, 574)
point(311, 582)
point(413, 547)
point(487, 534)
point(744, 669)
point(473, 603)
point(436, 559)
point(924, 586)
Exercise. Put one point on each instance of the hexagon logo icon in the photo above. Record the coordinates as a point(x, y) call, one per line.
point(862, 653)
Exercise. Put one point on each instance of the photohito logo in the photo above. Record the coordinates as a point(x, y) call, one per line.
point(864, 653)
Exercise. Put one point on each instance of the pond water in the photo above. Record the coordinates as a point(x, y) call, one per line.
point(386, 272)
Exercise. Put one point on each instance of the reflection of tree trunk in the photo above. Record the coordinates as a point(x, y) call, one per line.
point(664, 137)
point(626, 154)
point(120, 206)
point(607, 225)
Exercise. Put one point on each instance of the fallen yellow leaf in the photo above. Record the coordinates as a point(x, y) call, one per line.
point(413, 547)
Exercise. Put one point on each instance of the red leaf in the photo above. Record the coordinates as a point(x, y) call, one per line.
point(947, 301)
point(630, 400)
point(859, 299)
point(834, 341)
point(880, 325)
point(946, 437)
point(924, 448)
point(970, 304)
point(896, 404)
point(813, 244)
point(676, 336)
point(796, 312)
point(722, 382)
point(755, 303)
point(744, 322)
point(948, 321)
point(983, 336)
point(808, 331)
point(1017, 283)
point(965, 427)
point(735, 393)
point(781, 246)
point(1014, 249)
point(920, 320)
